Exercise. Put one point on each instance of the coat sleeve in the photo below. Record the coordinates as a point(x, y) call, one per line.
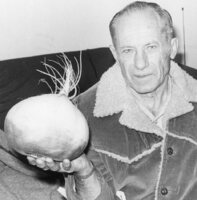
point(19, 180)
point(105, 178)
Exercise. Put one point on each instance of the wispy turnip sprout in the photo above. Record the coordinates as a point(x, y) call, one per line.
point(67, 82)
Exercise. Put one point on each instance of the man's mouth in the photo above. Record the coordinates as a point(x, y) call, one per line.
point(142, 75)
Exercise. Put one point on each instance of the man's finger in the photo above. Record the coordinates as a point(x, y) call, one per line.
point(31, 160)
point(40, 162)
point(65, 166)
point(49, 162)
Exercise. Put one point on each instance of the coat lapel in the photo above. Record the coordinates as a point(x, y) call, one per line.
point(112, 97)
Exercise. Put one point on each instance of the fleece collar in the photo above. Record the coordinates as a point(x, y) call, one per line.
point(112, 97)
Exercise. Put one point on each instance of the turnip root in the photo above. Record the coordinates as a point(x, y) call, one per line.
point(49, 125)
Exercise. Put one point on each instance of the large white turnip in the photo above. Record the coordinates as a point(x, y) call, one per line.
point(49, 125)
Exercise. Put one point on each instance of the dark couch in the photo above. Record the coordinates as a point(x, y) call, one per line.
point(20, 79)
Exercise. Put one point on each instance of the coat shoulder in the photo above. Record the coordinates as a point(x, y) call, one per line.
point(86, 101)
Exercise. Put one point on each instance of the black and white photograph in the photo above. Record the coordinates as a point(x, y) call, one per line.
point(98, 100)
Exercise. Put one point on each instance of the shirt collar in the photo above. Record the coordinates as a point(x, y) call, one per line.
point(158, 119)
point(112, 97)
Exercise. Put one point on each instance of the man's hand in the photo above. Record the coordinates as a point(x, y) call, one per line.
point(81, 165)
point(87, 184)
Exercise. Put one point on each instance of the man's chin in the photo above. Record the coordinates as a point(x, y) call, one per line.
point(145, 91)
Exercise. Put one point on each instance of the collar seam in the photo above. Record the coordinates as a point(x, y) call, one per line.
point(126, 159)
point(189, 139)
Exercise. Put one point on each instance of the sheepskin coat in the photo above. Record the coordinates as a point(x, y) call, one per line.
point(136, 158)
point(21, 181)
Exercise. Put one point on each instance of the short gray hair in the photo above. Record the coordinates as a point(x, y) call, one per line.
point(164, 15)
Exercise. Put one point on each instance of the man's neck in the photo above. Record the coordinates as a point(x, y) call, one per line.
point(155, 101)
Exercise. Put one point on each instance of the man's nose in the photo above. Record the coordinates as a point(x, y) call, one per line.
point(140, 60)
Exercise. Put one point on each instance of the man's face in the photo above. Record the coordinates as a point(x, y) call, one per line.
point(142, 51)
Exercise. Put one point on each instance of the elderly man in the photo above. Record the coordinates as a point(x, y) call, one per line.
point(142, 117)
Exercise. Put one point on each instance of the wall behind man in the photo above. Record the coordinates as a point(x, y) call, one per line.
point(33, 27)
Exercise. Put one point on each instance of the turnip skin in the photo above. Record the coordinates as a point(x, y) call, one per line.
point(48, 125)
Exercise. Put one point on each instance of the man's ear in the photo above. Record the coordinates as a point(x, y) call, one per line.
point(174, 48)
point(113, 50)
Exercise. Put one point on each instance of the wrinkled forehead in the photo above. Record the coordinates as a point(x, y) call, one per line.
point(138, 22)
point(139, 18)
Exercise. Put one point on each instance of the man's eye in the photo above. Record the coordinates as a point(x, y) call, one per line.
point(152, 47)
point(127, 50)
